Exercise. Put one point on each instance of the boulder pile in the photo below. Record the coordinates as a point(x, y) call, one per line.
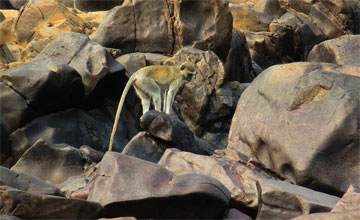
point(268, 128)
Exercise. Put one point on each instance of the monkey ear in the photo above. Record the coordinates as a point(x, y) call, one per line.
point(182, 67)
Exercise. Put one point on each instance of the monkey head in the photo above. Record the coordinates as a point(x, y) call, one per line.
point(187, 69)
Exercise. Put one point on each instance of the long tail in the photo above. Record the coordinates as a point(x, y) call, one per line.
point(120, 106)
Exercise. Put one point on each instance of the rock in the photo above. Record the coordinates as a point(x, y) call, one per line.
point(54, 163)
point(135, 61)
point(344, 50)
point(236, 214)
point(45, 85)
point(145, 190)
point(17, 3)
point(5, 4)
point(350, 200)
point(293, 132)
point(73, 127)
point(96, 5)
point(238, 175)
point(30, 184)
point(88, 58)
point(174, 132)
point(94, 155)
point(36, 13)
point(5, 150)
point(350, 215)
point(45, 206)
point(16, 112)
point(192, 101)
point(127, 27)
point(238, 66)
point(5, 54)
point(73, 184)
point(280, 200)
point(144, 147)
point(67, 3)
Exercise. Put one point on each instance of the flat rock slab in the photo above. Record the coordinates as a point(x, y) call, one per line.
point(28, 183)
point(52, 163)
point(280, 200)
point(127, 186)
point(29, 206)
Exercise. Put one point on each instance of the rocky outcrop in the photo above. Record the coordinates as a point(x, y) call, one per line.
point(343, 50)
point(45, 206)
point(133, 28)
point(92, 61)
point(146, 190)
point(54, 163)
point(306, 109)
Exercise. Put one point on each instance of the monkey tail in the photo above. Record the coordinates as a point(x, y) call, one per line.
point(120, 106)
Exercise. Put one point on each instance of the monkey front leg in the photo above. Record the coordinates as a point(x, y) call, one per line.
point(170, 97)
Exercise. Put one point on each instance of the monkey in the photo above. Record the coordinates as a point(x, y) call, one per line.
point(149, 82)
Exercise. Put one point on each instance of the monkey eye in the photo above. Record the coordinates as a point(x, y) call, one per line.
point(182, 67)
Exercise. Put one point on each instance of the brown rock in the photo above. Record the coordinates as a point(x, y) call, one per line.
point(193, 100)
point(30, 184)
point(280, 200)
point(36, 13)
point(350, 215)
point(344, 50)
point(52, 163)
point(96, 5)
point(28, 206)
point(349, 201)
point(133, 27)
point(292, 116)
point(237, 175)
point(146, 190)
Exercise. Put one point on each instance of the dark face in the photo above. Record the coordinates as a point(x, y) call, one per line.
point(187, 69)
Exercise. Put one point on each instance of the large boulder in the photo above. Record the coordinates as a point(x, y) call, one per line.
point(42, 86)
point(29, 206)
point(238, 174)
point(92, 61)
point(96, 5)
point(280, 200)
point(74, 127)
point(146, 190)
point(28, 183)
point(349, 201)
point(192, 102)
point(301, 120)
point(344, 50)
point(165, 27)
point(37, 12)
point(53, 163)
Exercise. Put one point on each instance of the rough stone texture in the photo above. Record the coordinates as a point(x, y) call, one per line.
point(45, 85)
point(145, 190)
point(30, 184)
point(280, 200)
point(349, 201)
point(95, 155)
point(73, 184)
point(301, 120)
point(37, 12)
point(344, 50)
point(238, 175)
point(238, 66)
point(193, 99)
point(174, 132)
point(74, 127)
point(17, 3)
point(144, 147)
point(92, 61)
point(54, 163)
point(135, 61)
point(163, 26)
point(236, 214)
point(350, 215)
point(28, 206)
point(5, 54)
point(96, 5)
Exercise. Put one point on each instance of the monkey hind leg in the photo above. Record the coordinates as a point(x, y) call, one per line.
point(148, 88)
point(145, 100)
